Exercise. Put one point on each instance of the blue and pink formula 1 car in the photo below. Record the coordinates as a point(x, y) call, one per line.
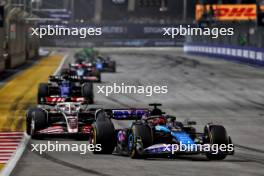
point(152, 133)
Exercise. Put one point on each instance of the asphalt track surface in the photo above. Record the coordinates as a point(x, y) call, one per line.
point(201, 89)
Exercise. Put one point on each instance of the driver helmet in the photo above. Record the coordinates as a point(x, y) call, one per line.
point(156, 111)
point(159, 121)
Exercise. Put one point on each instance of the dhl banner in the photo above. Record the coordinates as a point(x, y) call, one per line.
point(228, 12)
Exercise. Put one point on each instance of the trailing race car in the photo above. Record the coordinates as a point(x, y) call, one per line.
point(60, 87)
point(83, 70)
point(102, 63)
point(68, 118)
point(153, 133)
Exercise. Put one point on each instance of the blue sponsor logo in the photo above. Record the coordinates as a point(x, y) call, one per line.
point(119, 114)
point(182, 137)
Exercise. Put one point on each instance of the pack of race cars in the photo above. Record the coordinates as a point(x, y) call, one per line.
point(64, 109)
point(62, 101)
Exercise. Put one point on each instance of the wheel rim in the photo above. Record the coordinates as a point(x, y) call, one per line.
point(93, 137)
point(32, 126)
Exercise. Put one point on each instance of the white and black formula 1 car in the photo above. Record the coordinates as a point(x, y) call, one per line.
point(68, 118)
point(153, 133)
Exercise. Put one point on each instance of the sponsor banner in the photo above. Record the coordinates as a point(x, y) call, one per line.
point(115, 35)
point(228, 12)
point(254, 56)
point(111, 43)
point(116, 31)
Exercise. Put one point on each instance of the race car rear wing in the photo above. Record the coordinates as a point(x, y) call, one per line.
point(127, 114)
point(57, 78)
point(84, 64)
point(55, 100)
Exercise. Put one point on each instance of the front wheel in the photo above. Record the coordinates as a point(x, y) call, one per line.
point(216, 134)
point(37, 120)
point(103, 134)
point(139, 138)
point(29, 119)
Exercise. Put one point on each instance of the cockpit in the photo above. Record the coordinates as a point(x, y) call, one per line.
point(69, 108)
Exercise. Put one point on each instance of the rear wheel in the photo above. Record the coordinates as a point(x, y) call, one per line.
point(87, 92)
point(103, 133)
point(139, 138)
point(216, 134)
point(43, 91)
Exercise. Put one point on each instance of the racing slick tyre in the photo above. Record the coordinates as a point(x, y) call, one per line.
point(87, 92)
point(29, 118)
point(43, 91)
point(216, 134)
point(139, 138)
point(38, 121)
point(103, 133)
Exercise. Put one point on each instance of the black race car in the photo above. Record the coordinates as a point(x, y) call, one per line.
point(104, 64)
point(64, 87)
point(83, 70)
point(154, 134)
point(101, 63)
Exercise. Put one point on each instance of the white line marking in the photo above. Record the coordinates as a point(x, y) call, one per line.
point(61, 64)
